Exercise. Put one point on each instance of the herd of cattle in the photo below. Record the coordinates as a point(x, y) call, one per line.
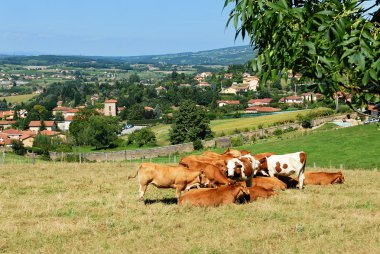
point(234, 176)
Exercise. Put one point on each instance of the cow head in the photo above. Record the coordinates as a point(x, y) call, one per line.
point(339, 179)
point(261, 167)
point(234, 165)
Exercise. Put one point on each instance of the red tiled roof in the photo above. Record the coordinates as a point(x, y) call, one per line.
point(234, 102)
point(148, 108)
point(7, 122)
point(38, 123)
point(49, 133)
point(265, 100)
point(293, 97)
point(73, 110)
point(6, 113)
point(111, 101)
point(69, 118)
point(282, 99)
point(263, 109)
point(12, 132)
point(62, 109)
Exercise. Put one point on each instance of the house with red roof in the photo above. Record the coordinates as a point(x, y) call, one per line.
point(6, 124)
point(259, 102)
point(222, 103)
point(36, 125)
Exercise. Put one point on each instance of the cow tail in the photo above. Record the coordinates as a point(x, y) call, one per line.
point(136, 173)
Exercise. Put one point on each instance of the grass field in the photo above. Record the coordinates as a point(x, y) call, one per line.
point(18, 98)
point(354, 147)
point(227, 126)
point(92, 208)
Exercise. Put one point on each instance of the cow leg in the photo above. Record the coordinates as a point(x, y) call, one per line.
point(301, 178)
point(142, 189)
point(178, 193)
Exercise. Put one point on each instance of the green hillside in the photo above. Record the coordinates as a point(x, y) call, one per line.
point(355, 147)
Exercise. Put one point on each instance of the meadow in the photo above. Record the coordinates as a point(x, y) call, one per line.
point(228, 126)
point(18, 98)
point(93, 208)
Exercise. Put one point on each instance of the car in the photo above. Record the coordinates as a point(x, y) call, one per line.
point(128, 126)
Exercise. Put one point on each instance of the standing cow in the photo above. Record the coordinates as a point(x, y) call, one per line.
point(164, 176)
point(285, 164)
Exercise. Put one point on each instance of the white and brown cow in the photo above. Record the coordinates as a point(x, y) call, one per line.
point(285, 164)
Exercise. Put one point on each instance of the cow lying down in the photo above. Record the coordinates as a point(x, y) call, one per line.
point(213, 197)
point(323, 178)
point(164, 176)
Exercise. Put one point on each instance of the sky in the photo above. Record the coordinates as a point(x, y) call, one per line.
point(113, 27)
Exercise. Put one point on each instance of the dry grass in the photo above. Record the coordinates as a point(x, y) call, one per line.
point(58, 208)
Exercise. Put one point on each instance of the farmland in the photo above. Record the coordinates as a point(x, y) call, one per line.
point(55, 208)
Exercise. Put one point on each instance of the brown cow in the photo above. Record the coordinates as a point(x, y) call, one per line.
point(259, 192)
point(164, 176)
point(269, 183)
point(232, 152)
point(211, 172)
point(213, 197)
point(323, 178)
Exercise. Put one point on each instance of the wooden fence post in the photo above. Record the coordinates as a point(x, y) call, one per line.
point(33, 158)
point(3, 157)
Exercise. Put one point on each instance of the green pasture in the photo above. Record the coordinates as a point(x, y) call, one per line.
point(353, 147)
point(229, 126)
point(18, 98)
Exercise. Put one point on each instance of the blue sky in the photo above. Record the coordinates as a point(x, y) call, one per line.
point(113, 27)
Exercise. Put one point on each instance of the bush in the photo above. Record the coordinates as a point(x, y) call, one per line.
point(305, 120)
point(142, 137)
point(237, 141)
point(198, 144)
point(18, 147)
point(277, 132)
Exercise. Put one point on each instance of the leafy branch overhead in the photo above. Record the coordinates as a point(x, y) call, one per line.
point(335, 45)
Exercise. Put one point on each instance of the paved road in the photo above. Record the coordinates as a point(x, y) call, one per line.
point(130, 130)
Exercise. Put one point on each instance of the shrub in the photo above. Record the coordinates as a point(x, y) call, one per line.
point(142, 137)
point(305, 120)
point(237, 141)
point(197, 144)
point(18, 147)
point(277, 132)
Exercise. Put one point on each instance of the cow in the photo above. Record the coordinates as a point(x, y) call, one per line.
point(256, 192)
point(232, 152)
point(164, 176)
point(213, 197)
point(286, 164)
point(323, 178)
point(269, 183)
point(242, 169)
point(211, 172)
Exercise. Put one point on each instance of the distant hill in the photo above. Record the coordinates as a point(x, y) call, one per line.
point(224, 56)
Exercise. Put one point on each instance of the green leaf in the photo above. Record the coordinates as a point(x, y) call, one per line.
point(349, 41)
point(365, 78)
point(373, 74)
point(347, 53)
point(311, 47)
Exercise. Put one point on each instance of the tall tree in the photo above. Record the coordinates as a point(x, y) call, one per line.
point(190, 124)
point(333, 43)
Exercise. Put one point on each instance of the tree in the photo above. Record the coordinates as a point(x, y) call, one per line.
point(136, 112)
point(102, 131)
point(134, 78)
point(142, 137)
point(331, 43)
point(190, 123)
